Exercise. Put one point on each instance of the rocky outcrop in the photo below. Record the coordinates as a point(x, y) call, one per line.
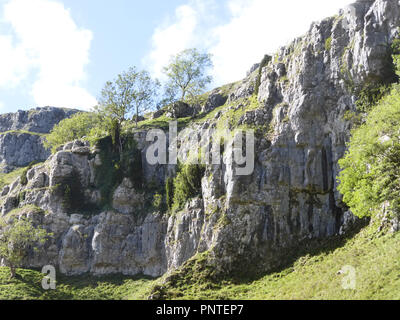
point(20, 149)
point(21, 135)
point(180, 110)
point(241, 222)
point(39, 120)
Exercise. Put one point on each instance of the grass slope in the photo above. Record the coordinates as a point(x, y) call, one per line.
point(27, 286)
point(375, 257)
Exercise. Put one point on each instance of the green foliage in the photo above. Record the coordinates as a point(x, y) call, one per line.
point(328, 44)
point(23, 177)
point(131, 93)
point(115, 132)
point(267, 59)
point(158, 201)
point(108, 174)
point(396, 55)
point(187, 184)
point(28, 209)
point(17, 235)
point(8, 178)
point(169, 192)
point(371, 168)
point(114, 166)
point(186, 74)
point(370, 95)
point(131, 162)
point(78, 126)
point(71, 190)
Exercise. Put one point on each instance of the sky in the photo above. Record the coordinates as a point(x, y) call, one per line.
point(62, 52)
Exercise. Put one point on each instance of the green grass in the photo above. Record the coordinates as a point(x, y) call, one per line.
point(8, 178)
point(376, 259)
point(27, 286)
point(159, 123)
point(23, 132)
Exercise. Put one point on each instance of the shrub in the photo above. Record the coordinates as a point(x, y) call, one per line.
point(169, 192)
point(158, 201)
point(116, 166)
point(109, 173)
point(16, 238)
point(23, 177)
point(187, 184)
point(328, 44)
point(371, 168)
point(396, 55)
point(73, 198)
point(78, 126)
point(370, 95)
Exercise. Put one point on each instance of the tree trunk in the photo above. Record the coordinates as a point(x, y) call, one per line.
point(137, 116)
point(12, 271)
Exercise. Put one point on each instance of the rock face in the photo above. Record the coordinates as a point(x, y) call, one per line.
point(39, 120)
point(180, 110)
point(20, 149)
point(241, 222)
point(21, 135)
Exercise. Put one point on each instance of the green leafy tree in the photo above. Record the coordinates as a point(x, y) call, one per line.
point(78, 126)
point(132, 93)
point(17, 236)
point(186, 74)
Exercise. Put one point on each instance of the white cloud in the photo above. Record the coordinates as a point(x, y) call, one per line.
point(254, 28)
point(258, 27)
point(48, 49)
point(178, 33)
point(1, 105)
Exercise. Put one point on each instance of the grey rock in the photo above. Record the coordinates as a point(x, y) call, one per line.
point(180, 110)
point(157, 114)
point(126, 199)
point(22, 139)
point(20, 149)
point(214, 100)
point(39, 120)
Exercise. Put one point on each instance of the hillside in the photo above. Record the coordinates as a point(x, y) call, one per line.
point(374, 255)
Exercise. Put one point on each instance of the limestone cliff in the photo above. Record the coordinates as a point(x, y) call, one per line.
point(240, 222)
point(21, 135)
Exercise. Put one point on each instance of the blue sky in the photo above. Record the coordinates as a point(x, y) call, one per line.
point(61, 53)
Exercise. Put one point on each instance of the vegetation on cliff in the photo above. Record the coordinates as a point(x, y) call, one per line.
point(370, 176)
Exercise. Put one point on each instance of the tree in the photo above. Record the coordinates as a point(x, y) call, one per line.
point(17, 235)
point(187, 74)
point(132, 93)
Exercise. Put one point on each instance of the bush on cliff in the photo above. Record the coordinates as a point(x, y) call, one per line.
point(187, 184)
point(371, 168)
point(78, 126)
